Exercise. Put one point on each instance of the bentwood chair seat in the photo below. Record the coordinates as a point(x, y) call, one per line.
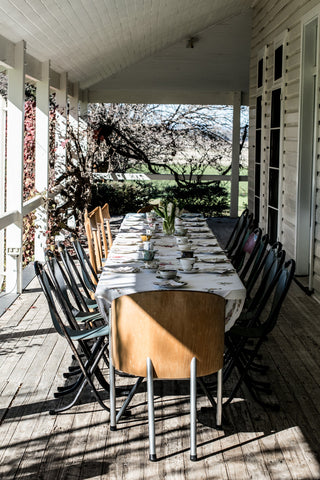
point(167, 335)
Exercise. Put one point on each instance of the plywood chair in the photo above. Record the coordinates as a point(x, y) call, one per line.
point(106, 222)
point(90, 241)
point(167, 335)
point(97, 240)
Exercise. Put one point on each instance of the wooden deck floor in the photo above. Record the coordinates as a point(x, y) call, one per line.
point(256, 443)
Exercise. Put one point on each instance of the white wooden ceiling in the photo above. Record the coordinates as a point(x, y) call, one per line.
point(135, 50)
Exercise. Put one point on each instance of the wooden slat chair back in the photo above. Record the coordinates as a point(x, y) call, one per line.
point(106, 222)
point(174, 332)
point(98, 247)
point(91, 249)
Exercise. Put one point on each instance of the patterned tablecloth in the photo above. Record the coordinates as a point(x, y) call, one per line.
point(126, 272)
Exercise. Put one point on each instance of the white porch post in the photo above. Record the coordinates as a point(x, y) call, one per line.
point(61, 123)
point(42, 158)
point(15, 136)
point(235, 155)
point(83, 120)
point(2, 177)
point(74, 108)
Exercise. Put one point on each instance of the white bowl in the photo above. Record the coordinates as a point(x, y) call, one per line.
point(167, 274)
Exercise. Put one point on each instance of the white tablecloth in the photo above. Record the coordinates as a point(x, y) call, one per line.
point(127, 252)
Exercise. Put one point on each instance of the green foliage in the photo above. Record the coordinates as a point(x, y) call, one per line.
point(124, 197)
point(211, 199)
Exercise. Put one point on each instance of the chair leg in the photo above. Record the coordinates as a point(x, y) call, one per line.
point(152, 443)
point(193, 410)
point(113, 425)
point(219, 399)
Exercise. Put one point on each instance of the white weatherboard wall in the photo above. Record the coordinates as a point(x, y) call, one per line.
point(270, 21)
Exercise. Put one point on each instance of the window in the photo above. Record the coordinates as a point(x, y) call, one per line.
point(260, 72)
point(278, 62)
point(258, 156)
point(274, 161)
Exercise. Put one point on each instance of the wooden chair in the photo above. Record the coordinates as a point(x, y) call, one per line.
point(97, 240)
point(106, 222)
point(167, 335)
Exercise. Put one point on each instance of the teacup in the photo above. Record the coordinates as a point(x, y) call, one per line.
point(167, 273)
point(187, 254)
point(148, 255)
point(182, 240)
point(148, 245)
point(183, 247)
point(187, 263)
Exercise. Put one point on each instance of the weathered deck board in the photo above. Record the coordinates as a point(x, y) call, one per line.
point(255, 442)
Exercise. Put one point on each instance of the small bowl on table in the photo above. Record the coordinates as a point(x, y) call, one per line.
point(180, 231)
point(167, 274)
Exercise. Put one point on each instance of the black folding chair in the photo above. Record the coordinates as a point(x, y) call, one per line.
point(78, 285)
point(236, 251)
point(89, 276)
point(234, 237)
point(247, 252)
point(252, 266)
point(244, 342)
point(74, 303)
point(92, 343)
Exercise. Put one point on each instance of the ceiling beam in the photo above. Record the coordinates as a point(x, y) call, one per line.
point(196, 97)
point(7, 50)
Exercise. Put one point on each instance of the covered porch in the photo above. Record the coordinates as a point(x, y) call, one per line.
point(161, 52)
point(255, 442)
point(170, 65)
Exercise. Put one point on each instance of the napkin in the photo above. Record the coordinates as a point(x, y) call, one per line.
point(211, 259)
point(170, 284)
point(121, 269)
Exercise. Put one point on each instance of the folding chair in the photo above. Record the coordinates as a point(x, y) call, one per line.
point(89, 275)
point(92, 343)
point(75, 304)
point(245, 255)
point(242, 354)
point(234, 237)
point(168, 335)
point(76, 279)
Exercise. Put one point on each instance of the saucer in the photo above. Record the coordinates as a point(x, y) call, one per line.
point(194, 270)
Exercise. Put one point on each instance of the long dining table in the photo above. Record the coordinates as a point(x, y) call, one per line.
point(125, 271)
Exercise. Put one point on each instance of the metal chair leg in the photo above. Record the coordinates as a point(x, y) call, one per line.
point(193, 410)
point(219, 399)
point(152, 443)
point(113, 425)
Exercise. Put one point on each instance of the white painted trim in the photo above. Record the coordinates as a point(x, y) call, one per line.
point(313, 14)
point(15, 138)
point(234, 200)
point(7, 53)
point(3, 114)
point(42, 158)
